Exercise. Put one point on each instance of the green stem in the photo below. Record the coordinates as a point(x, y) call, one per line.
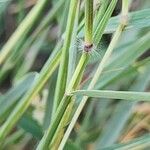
point(61, 127)
point(101, 12)
point(88, 21)
point(79, 70)
point(67, 99)
point(124, 13)
point(125, 7)
point(101, 26)
point(63, 69)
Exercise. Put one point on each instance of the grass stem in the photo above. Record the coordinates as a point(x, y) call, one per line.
point(63, 68)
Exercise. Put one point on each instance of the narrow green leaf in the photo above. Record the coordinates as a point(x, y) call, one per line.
point(24, 103)
point(101, 26)
point(63, 19)
point(23, 29)
point(33, 51)
point(73, 50)
point(123, 111)
point(88, 22)
point(101, 12)
point(23, 44)
point(13, 95)
point(138, 143)
point(124, 95)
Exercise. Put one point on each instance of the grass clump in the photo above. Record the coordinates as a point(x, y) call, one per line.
point(45, 108)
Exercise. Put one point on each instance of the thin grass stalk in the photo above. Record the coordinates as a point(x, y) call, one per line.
point(67, 99)
point(64, 121)
point(101, 26)
point(124, 13)
point(88, 21)
point(101, 12)
point(63, 20)
point(100, 68)
point(73, 50)
point(125, 7)
point(23, 28)
point(63, 68)
point(61, 127)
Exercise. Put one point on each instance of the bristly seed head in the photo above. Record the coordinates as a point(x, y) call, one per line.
point(88, 47)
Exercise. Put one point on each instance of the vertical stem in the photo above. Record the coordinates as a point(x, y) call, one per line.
point(63, 69)
point(88, 21)
point(98, 33)
point(73, 49)
point(124, 13)
point(48, 136)
point(125, 4)
point(101, 12)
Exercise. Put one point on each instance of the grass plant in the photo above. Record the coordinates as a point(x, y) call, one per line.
point(70, 103)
